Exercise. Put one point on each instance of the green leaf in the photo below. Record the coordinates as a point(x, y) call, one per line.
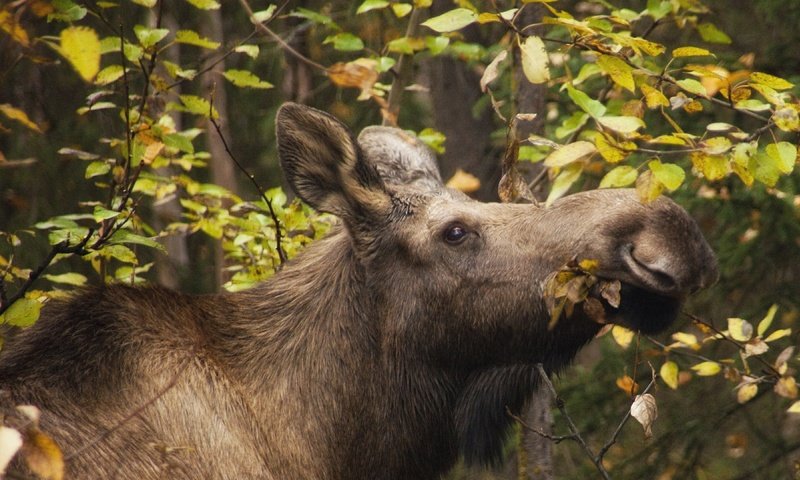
point(563, 181)
point(178, 141)
point(313, 16)
point(262, 16)
point(371, 5)
point(81, 47)
point(96, 169)
point(345, 42)
point(588, 105)
point(249, 50)
point(190, 37)
point(101, 213)
point(149, 36)
point(535, 60)
point(669, 174)
point(451, 21)
point(765, 323)
point(22, 313)
point(400, 10)
point(199, 106)
point(66, 11)
point(669, 374)
point(693, 86)
point(784, 154)
point(110, 74)
point(619, 71)
point(436, 45)
point(621, 176)
point(764, 168)
point(244, 78)
point(570, 153)
point(405, 45)
point(75, 279)
point(659, 9)
point(621, 124)
point(204, 4)
point(711, 34)
point(126, 236)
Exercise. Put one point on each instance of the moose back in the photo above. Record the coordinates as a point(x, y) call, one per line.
point(385, 350)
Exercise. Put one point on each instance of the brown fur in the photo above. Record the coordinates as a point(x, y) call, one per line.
point(380, 352)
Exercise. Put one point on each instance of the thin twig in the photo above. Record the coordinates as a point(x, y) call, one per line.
point(554, 438)
point(288, 48)
point(404, 69)
point(99, 438)
point(611, 441)
point(572, 428)
point(252, 178)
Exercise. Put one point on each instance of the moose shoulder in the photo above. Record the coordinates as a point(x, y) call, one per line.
point(385, 350)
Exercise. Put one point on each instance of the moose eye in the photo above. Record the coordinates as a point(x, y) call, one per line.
point(455, 234)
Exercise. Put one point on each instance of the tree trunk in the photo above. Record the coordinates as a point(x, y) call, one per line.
point(222, 168)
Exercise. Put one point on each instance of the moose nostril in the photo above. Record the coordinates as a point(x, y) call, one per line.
point(652, 273)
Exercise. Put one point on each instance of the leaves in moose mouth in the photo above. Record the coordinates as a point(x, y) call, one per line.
point(572, 284)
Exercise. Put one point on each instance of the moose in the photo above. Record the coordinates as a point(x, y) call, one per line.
point(385, 350)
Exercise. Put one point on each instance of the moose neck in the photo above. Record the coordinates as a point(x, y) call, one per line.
point(318, 320)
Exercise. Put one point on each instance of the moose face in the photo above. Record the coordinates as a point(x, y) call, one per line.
point(463, 282)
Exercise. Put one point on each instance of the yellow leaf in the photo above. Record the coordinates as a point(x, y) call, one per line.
point(534, 60)
point(690, 52)
point(9, 24)
point(707, 369)
point(610, 152)
point(770, 81)
point(463, 181)
point(786, 387)
point(746, 392)
point(14, 113)
point(653, 97)
point(648, 188)
point(764, 324)
point(740, 329)
point(81, 47)
point(622, 336)
point(151, 152)
point(794, 408)
point(669, 373)
point(713, 167)
point(777, 334)
point(687, 339)
point(360, 73)
point(619, 71)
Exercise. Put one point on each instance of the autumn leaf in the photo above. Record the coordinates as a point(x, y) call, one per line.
point(645, 411)
point(22, 313)
point(534, 60)
point(464, 182)
point(14, 113)
point(739, 329)
point(452, 20)
point(707, 369)
point(746, 391)
point(622, 336)
point(627, 385)
point(360, 73)
point(669, 374)
point(492, 70)
point(570, 153)
point(81, 47)
point(620, 72)
point(9, 24)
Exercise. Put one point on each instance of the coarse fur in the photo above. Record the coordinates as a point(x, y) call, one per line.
point(385, 350)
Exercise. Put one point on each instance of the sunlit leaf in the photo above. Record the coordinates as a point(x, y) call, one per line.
point(10, 25)
point(690, 52)
point(707, 369)
point(371, 5)
point(110, 74)
point(713, 167)
point(648, 188)
point(669, 174)
point(619, 71)
point(627, 385)
point(249, 50)
point(589, 105)
point(244, 78)
point(97, 168)
point(765, 323)
point(770, 81)
point(786, 387)
point(400, 10)
point(198, 106)
point(205, 4)
point(360, 73)
point(746, 392)
point(563, 182)
point(75, 279)
point(621, 176)
point(621, 124)
point(464, 182)
point(653, 97)
point(570, 153)
point(492, 70)
point(345, 42)
point(787, 118)
point(693, 86)
point(534, 60)
point(740, 329)
point(645, 411)
point(612, 152)
point(22, 313)
point(190, 37)
point(669, 374)
point(452, 20)
point(81, 47)
point(622, 336)
point(794, 408)
point(13, 113)
point(784, 154)
point(778, 334)
point(149, 36)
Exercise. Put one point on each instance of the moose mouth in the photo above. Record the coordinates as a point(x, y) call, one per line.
point(642, 309)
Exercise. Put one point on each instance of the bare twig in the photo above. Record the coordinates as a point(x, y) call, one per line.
point(554, 438)
point(404, 70)
point(276, 222)
point(611, 441)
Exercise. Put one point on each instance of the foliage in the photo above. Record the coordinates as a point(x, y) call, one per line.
point(651, 96)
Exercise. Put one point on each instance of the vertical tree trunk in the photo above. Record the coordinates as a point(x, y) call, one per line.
point(222, 168)
point(532, 98)
point(177, 256)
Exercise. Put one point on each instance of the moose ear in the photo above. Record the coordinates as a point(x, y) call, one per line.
point(401, 159)
point(325, 167)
